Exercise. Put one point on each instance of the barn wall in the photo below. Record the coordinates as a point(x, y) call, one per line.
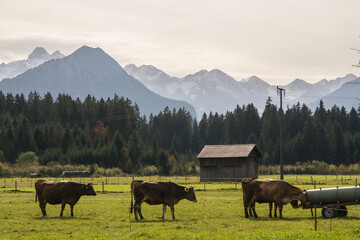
point(227, 169)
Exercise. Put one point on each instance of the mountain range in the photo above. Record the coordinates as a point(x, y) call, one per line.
point(37, 57)
point(89, 71)
point(92, 71)
point(218, 92)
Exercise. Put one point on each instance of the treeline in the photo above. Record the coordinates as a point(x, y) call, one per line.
point(110, 133)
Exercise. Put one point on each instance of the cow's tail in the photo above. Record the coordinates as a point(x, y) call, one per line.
point(36, 196)
point(131, 193)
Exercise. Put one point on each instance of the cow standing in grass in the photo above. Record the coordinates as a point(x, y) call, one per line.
point(62, 192)
point(154, 193)
point(278, 192)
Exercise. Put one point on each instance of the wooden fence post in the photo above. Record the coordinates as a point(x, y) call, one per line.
point(204, 187)
point(15, 186)
point(102, 186)
point(315, 219)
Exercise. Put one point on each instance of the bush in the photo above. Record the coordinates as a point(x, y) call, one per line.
point(27, 159)
point(149, 170)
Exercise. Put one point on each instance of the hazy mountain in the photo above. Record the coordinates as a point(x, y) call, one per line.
point(156, 80)
point(37, 57)
point(328, 86)
point(301, 91)
point(218, 92)
point(348, 95)
point(206, 90)
point(259, 91)
point(213, 91)
point(89, 71)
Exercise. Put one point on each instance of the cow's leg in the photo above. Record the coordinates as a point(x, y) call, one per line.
point(251, 210)
point(172, 211)
point(135, 211)
point(164, 210)
point(270, 209)
point(252, 206)
point(275, 210)
point(246, 209)
point(42, 206)
point(138, 210)
point(280, 205)
point(62, 208)
point(72, 209)
point(141, 216)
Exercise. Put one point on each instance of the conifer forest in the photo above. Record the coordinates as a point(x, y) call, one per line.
point(111, 133)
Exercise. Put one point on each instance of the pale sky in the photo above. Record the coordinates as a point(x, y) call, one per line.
point(276, 40)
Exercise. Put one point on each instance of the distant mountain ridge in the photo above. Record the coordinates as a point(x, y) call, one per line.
point(37, 57)
point(218, 92)
point(90, 71)
point(205, 90)
point(348, 95)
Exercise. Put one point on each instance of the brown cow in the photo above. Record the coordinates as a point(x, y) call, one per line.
point(62, 192)
point(269, 191)
point(153, 193)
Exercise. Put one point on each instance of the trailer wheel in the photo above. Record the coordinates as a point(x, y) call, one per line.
point(341, 211)
point(328, 212)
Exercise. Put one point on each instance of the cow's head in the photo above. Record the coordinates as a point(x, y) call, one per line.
point(294, 203)
point(89, 190)
point(190, 194)
point(304, 197)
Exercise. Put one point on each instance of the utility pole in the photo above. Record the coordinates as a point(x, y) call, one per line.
point(281, 90)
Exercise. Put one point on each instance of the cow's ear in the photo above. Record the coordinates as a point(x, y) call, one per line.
point(186, 189)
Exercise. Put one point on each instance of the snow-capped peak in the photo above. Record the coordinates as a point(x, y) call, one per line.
point(36, 57)
point(39, 53)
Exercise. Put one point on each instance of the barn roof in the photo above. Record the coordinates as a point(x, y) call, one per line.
point(229, 151)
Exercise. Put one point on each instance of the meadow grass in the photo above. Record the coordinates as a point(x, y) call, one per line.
point(218, 214)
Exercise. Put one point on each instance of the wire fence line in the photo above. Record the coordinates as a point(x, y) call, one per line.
point(327, 224)
point(122, 183)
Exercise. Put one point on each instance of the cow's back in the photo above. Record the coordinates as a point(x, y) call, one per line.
point(53, 192)
point(155, 192)
point(157, 189)
point(275, 189)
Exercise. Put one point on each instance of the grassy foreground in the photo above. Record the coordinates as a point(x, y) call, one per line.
point(218, 214)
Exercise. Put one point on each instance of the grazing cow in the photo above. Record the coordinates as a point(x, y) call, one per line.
point(62, 192)
point(153, 193)
point(269, 191)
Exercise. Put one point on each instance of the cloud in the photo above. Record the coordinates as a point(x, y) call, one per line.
point(269, 38)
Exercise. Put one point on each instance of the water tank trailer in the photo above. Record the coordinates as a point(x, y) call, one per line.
point(333, 201)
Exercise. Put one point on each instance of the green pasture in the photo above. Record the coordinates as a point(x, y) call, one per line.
point(218, 214)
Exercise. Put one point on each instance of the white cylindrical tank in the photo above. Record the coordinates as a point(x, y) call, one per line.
point(334, 195)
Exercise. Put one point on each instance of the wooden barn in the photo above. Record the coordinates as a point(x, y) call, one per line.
point(228, 163)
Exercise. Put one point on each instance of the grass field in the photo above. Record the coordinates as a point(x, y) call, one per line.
point(218, 214)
